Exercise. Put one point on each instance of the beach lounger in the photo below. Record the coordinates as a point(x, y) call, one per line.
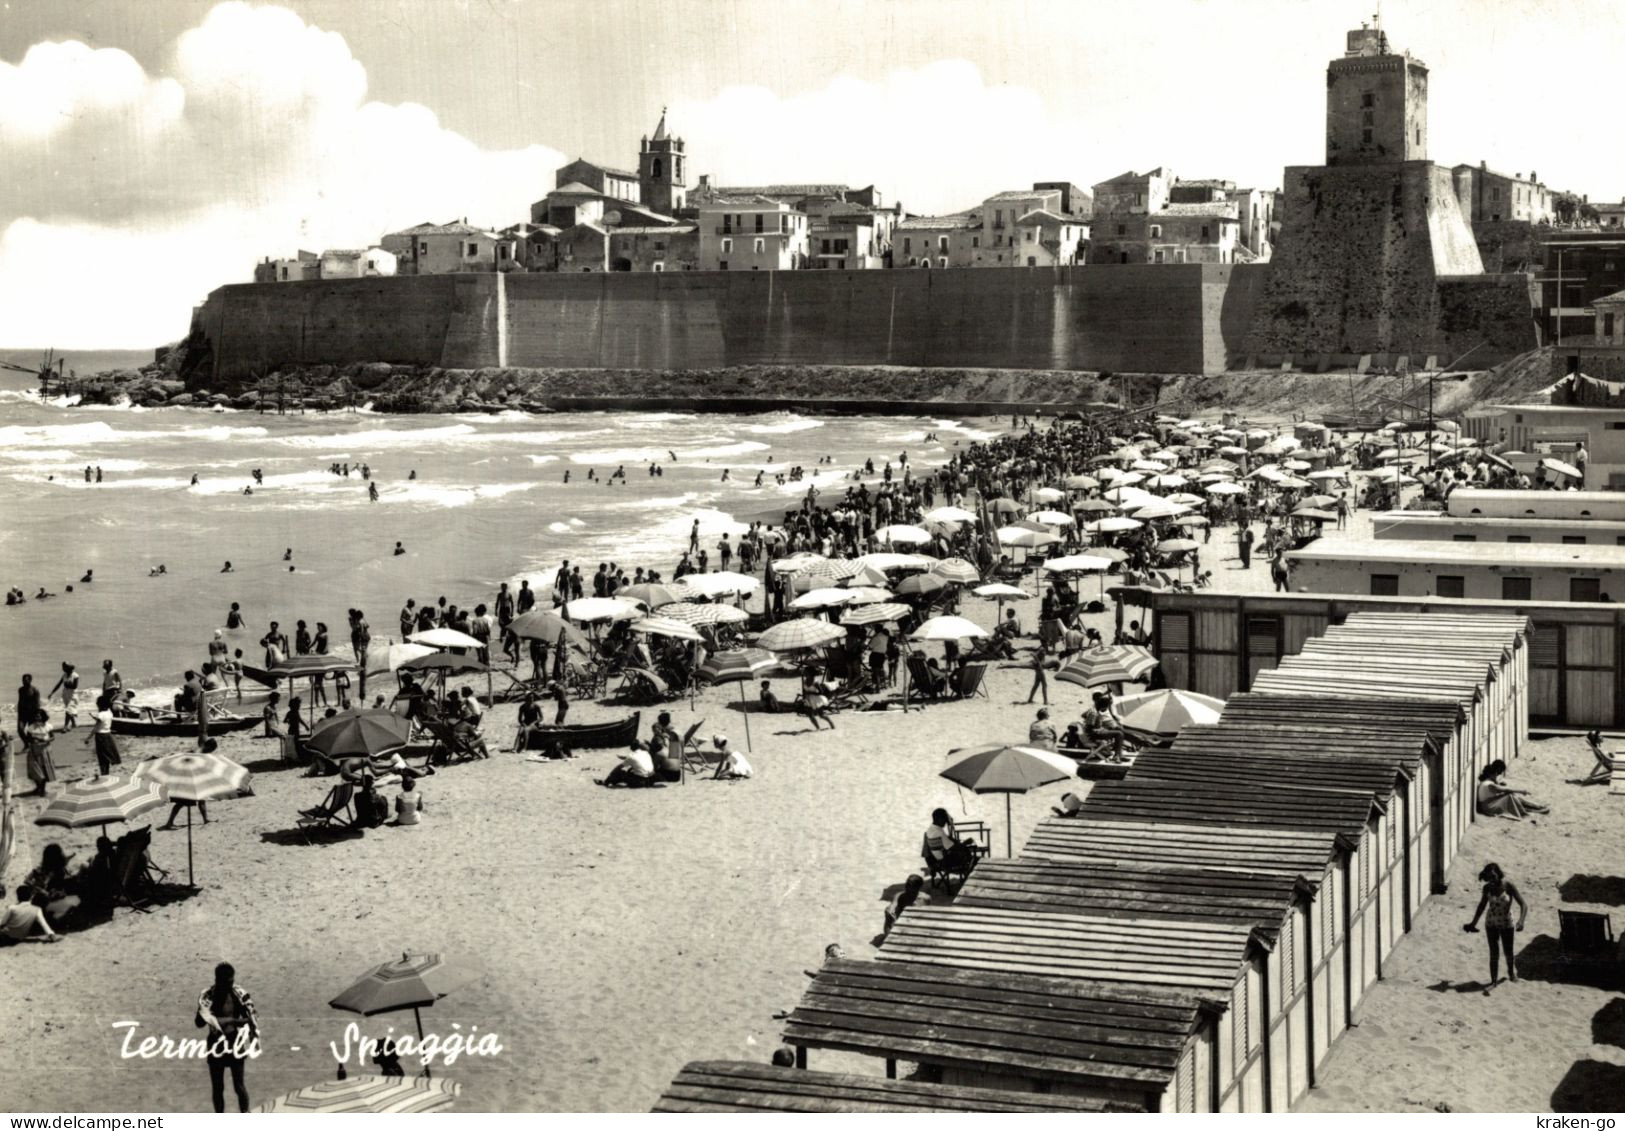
point(640, 685)
point(692, 753)
point(1589, 946)
point(939, 874)
point(1608, 768)
point(969, 681)
point(134, 873)
point(923, 684)
point(336, 812)
point(854, 692)
point(449, 746)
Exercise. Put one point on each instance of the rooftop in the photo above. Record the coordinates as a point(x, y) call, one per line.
point(778, 190)
point(933, 223)
point(653, 230)
point(455, 228)
point(1509, 524)
point(623, 174)
point(1218, 209)
point(1617, 296)
point(1045, 216)
point(1022, 194)
point(1518, 555)
point(1131, 175)
point(575, 188)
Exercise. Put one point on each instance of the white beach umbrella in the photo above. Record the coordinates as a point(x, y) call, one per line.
point(721, 584)
point(1225, 487)
point(903, 533)
point(795, 563)
point(445, 638)
point(890, 559)
point(1077, 563)
point(947, 628)
point(1113, 525)
point(822, 599)
point(1021, 536)
point(999, 591)
point(950, 514)
point(590, 609)
point(1051, 518)
point(1048, 495)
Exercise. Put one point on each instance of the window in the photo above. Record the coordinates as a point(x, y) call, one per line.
point(1156, 231)
point(1030, 234)
point(423, 247)
point(760, 220)
point(823, 246)
point(1032, 261)
point(727, 246)
point(1451, 586)
point(1156, 256)
point(1464, 538)
point(1368, 99)
point(907, 242)
point(502, 251)
point(1517, 538)
point(1122, 230)
point(1574, 539)
point(942, 246)
point(473, 249)
point(1607, 332)
point(1385, 585)
point(722, 265)
point(1204, 231)
point(1585, 589)
point(1515, 588)
point(658, 266)
point(656, 169)
point(976, 241)
point(942, 261)
point(760, 245)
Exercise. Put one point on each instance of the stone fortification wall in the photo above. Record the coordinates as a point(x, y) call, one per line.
point(1177, 318)
point(1359, 265)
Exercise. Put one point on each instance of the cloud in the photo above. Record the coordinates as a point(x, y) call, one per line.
point(938, 138)
point(137, 194)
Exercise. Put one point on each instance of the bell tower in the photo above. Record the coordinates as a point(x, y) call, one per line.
point(661, 175)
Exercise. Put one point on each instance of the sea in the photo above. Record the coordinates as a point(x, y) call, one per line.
point(488, 503)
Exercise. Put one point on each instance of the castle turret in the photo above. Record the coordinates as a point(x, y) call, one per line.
point(1376, 103)
point(661, 174)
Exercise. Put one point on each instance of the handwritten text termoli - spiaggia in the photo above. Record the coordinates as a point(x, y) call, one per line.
point(356, 1048)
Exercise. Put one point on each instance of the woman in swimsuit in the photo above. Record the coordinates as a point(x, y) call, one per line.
point(1497, 899)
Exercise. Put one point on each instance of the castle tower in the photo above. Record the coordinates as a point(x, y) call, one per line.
point(1376, 103)
point(660, 171)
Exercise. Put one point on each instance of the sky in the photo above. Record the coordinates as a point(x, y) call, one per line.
point(151, 150)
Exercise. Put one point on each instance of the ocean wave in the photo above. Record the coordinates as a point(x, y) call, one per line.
point(377, 438)
point(785, 427)
point(101, 432)
point(963, 429)
point(654, 419)
point(559, 527)
point(539, 460)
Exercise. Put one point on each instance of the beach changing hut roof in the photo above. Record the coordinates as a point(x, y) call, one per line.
point(1314, 758)
point(737, 1085)
point(1238, 804)
point(1436, 718)
point(1265, 851)
point(1059, 1029)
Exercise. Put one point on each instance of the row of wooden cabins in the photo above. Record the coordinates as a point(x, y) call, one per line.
point(1202, 933)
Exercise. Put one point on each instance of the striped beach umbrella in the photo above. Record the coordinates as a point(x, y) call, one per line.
point(883, 613)
point(1008, 770)
point(651, 595)
point(198, 777)
point(1117, 663)
point(798, 634)
point(957, 570)
point(691, 612)
point(101, 801)
point(921, 584)
point(667, 626)
point(394, 1095)
point(739, 667)
point(822, 599)
point(410, 982)
point(544, 624)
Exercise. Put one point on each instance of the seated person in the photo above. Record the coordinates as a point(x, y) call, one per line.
point(371, 810)
point(731, 764)
point(1495, 799)
point(530, 717)
point(1071, 805)
point(943, 847)
point(1042, 732)
point(936, 678)
point(408, 803)
point(770, 702)
point(1073, 738)
point(49, 880)
point(636, 767)
point(1008, 627)
point(23, 921)
point(1101, 726)
point(124, 707)
point(903, 900)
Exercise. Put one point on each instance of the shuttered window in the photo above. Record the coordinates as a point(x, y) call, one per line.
point(1544, 645)
point(1263, 636)
point(1174, 632)
point(1289, 952)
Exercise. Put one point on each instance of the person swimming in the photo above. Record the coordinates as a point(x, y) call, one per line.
point(194, 479)
point(372, 491)
point(399, 549)
point(90, 575)
point(227, 569)
point(234, 619)
point(287, 555)
point(248, 490)
point(42, 594)
point(157, 570)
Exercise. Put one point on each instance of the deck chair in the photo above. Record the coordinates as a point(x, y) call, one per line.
point(853, 693)
point(941, 875)
point(1586, 934)
point(692, 753)
point(1608, 765)
point(336, 812)
point(640, 685)
point(449, 746)
point(922, 683)
point(969, 681)
point(134, 873)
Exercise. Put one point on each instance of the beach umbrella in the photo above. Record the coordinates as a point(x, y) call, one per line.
point(884, 560)
point(883, 613)
point(411, 982)
point(1151, 465)
point(1111, 552)
point(445, 638)
point(920, 584)
point(723, 583)
point(103, 800)
point(651, 595)
point(543, 624)
point(385, 1095)
point(1021, 536)
point(823, 573)
point(957, 570)
point(867, 594)
point(796, 562)
point(950, 514)
point(1171, 480)
point(668, 627)
point(589, 610)
point(1114, 525)
point(947, 628)
point(1081, 482)
point(1296, 464)
point(1128, 496)
point(1077, 563)
point(1292, 482)
point(904, 533)
point(1125, 479)
point(1317, 501)
point(1314, 514)
point(1008, 770)
point(359, 734)
point(1158, 509)
point(1190, 520)
point(1222, 465)
point(1000, 592)
point(1177, 545)
point(868, 577)
point(690, 612)
point(1051, 518)
point(1562, 468)
point(1225, 487)
point(197, 777)
point(739, 666)
point(822, 599)
point(1186, 499)
point(398, 653)
point(1168, 711)
point(1113, 663)
point(1048, 494)
point(1093, 506)
point(1233, 450)
point(800, 633)
point(1004, 506)
point(1329, 474)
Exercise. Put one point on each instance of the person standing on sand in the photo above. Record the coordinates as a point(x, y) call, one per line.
point(1498, 896)
point(360, 638)
point(107, 753)
point(28, 705)
point(226, 1010)
point(68, 684)
point(1040, 680)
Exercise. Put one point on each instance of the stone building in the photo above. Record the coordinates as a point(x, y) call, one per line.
point(1610, 319)
point(620, 184)
point(1001, 242)
point(444, 249)
point(937, 241)
point(1577, 267)
point(304, 265)
point(356, 263)
point(1134, 193)
point(661, 185)
point(1488, 196)
point(1610, 215)
point(1050, 239)
point(1375, 254)
point(662, 247)
point(751, 234)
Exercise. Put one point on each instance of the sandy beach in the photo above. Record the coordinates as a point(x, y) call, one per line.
point(699, 906)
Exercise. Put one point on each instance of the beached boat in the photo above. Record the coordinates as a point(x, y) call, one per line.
point(587, 736)
point(167, 724)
